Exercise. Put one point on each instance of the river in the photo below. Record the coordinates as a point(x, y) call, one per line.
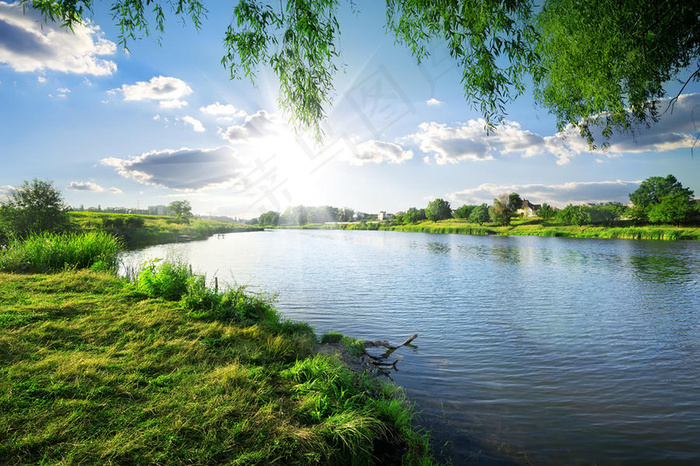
point(530, 350)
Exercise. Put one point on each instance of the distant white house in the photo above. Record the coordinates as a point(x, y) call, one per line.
point(528, 209)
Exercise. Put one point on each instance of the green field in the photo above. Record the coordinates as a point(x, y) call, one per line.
point(529, 227)
point(146, 230)
point(539, 228)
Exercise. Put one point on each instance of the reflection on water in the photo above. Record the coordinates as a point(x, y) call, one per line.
point(661, 268)
point(542, 350)
point(437, 248)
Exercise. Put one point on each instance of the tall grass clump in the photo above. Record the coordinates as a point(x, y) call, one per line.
point(54, 252)
point(354, 346)
point(176, 282)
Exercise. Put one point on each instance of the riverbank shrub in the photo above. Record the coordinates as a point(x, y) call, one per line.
point(54, 252)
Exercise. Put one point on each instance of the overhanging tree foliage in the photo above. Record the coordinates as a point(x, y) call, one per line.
point(593, 62)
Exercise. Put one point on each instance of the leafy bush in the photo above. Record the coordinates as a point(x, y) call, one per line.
point(166, 280)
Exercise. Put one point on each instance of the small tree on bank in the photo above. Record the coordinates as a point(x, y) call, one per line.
point(504, 207)
point(35, 207)
point(269, 218)
point(480, 214)
point(661, 200)
point(439, 209)
point(181, 209)
point(464, 212)
point(546, 212)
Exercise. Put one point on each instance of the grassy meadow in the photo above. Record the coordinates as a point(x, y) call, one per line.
point(146, 230)
point(161, 369)
point(531, 227)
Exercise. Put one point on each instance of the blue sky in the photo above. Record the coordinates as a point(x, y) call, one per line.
point(165, 122)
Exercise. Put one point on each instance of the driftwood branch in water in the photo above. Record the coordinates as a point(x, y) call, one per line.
point(386, 344)
point(380, 361)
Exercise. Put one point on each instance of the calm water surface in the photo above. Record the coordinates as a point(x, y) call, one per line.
point(530, 350)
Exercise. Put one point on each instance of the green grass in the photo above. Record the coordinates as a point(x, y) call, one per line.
point(536, 227)
point(50, 252)
point(96, 370)
point(145, 230)
point(354, 347)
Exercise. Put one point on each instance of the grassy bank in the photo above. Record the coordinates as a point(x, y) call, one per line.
point(97, 370)
point(539, 228)
point(145, 230)
point(530, 227)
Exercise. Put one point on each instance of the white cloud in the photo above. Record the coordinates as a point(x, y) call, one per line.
point(182, 169)
point(167, 90)
point(41, 79)
point(173, 103)
point(222, 112)
point(195, 123)
point(555, 194)
point(453, 144)
point(379, 151)
point(28, 44)
point(256, 126)
point(469, 141)
point(90, 186)
point(433, 102)
point(676, 129)
point(61, 93)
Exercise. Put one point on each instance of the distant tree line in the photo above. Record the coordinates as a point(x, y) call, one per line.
point(303, 215)
point(657, 200)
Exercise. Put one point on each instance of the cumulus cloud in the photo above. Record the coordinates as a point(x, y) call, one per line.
point(447, 144)
point(453, 144)
point(256, 126)
point(182, 169)
point(197, 125)
point(28, 44)
point(433, 102)
point(90, 186)
point(554, 194)
point(379, 151)
point(167, 90)
point(222, 112)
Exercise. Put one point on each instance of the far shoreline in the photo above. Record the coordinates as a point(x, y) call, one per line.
point(525, 227)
